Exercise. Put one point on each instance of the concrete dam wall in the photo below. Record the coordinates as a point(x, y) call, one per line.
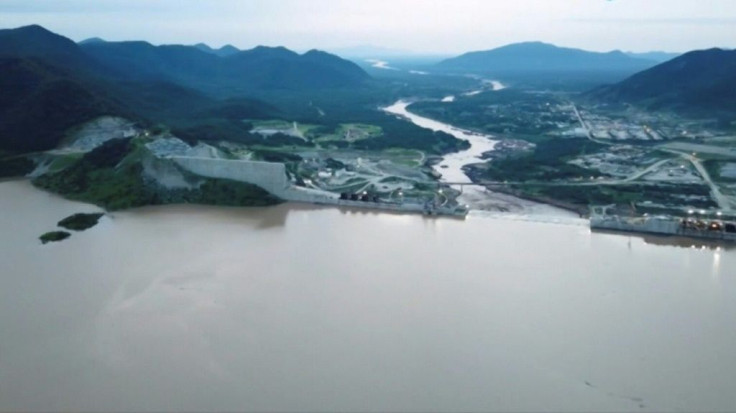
point(270, 176)
point(653, 226)
point(273, 178)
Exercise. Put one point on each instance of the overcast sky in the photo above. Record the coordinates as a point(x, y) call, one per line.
point(427, 26)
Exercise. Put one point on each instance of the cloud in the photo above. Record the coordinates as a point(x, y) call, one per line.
point(695, 21)
point(445, 26)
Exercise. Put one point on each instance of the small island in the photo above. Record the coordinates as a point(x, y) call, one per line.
point(54, 236)
point(80, 222)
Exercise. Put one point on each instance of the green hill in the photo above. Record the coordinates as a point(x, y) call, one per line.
point(237, 73)
point(700, 82)
point(40, 102)
point(546, 64)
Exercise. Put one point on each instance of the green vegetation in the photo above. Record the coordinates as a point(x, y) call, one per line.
point(508, 112)
point(224, 192)
point(406, 157)
point(326, 97)
point(699, 84)
point(276, 156)
point(372, 130)
point(534, 175)
point(54, 236)
point(670, 195)
point(14, 167)
point(96, 179)
point(34, 115)
point(714, 168)
point(64, 161)
point(270, 124)
point(107, 187)
point(429, 142)
point(334, 164)
point(80, 222)
point(348, 132)
point(548, 162)
point(111, 177)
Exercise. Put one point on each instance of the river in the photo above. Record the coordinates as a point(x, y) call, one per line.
point(477, 197)
point(451, 167)
point(291, 308)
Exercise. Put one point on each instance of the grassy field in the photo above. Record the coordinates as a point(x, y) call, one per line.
point(406, 157)
point(346, 132)
point(64, 161)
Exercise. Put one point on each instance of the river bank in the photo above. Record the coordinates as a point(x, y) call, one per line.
point(451, 168)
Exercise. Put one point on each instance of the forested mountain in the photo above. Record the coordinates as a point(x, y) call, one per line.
point(702, 80)
point(224, 51)
point(262, 68)
point(50, 83)
point(542, 57)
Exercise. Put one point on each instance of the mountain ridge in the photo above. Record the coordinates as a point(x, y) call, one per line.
point(244, 71)
point(701, 80)
point(51, 83)
point(538, 56)
point(224, 51)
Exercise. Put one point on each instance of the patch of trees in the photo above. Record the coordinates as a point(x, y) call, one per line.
point(16, 167)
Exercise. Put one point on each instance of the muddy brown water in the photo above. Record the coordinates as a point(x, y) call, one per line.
point(291, 308)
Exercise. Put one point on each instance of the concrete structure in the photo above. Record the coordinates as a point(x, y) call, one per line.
point(426, 209)
point(173, 155)
point(272, 177)
point(666, 225)
point(269, 176)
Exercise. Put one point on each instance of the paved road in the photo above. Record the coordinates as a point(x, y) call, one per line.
point(643, 172)
point(587, 129)
point(723, 201)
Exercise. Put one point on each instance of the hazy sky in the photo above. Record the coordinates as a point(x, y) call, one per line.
point(439, 26)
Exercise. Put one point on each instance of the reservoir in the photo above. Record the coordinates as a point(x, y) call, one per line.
point(296, 308)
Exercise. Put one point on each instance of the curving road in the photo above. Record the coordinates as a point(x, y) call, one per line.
point(723, 201)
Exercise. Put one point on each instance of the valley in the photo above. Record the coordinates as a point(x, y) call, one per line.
point(404, 206)
point(559, 146)
point(456, 124)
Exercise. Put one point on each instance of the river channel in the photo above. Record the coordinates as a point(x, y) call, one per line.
point(477, 197)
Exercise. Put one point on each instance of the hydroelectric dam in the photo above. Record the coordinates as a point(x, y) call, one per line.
point(273, 177)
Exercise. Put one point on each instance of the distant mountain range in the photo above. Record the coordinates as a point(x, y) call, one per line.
point(224, 51)
point(700, 81)
point(227, 71)
point(532, 57)
point(659, 57)
point(49, 83)
point(92, 40)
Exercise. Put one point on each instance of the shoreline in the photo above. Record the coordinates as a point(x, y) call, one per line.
point(288, 205)
point(282, 210)
point(13, 179)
